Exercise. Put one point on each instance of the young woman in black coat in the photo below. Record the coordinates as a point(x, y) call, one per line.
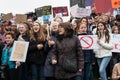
point(36, 55)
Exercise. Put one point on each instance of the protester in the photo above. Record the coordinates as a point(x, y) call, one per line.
point(75, 23)
point(13, 28)
point(58, 19)
point(106, 19)
point(115, 55)
point(67, 46)
point(118, 21)
point(30, 22)
point(10, 72)
point(36, 54)
point(88, 54)
point(91, 23)
point(116, 72)
point(51, 38)
point(23, 68)
point(85, 21)
point(1, 47)
point(115, 30)
point(23, 32)
point(103, 53)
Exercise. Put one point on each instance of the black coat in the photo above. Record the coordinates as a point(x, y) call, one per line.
point(1, 47)
point(35, 55)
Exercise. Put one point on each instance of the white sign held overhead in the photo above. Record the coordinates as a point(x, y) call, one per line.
point(80, 12)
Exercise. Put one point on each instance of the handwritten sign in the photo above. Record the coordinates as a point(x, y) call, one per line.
point(7, 17)
point(19, 51)
point(21, 18)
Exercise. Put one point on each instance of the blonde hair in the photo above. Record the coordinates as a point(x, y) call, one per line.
point(113, 29)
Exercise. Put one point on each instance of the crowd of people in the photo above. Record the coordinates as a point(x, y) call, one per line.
point(55, 52)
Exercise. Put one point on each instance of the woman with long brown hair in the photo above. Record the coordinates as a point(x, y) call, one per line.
point(36, 56)
point(103, 53)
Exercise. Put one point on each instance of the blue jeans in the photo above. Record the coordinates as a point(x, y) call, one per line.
point(102, 63)
point(37, 72)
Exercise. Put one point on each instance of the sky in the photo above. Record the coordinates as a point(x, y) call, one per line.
point(24, 6)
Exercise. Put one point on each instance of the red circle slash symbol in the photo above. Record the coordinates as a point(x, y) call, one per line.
point(87, 41)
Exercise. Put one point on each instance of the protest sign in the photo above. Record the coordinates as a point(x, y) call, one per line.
point(7, 17)
point(21, 18)
point(44, 10)
point(47, 19)
point(63, 10)
point(19, 51)
point(80, 12)
point(116, 43)
point(88, 41)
